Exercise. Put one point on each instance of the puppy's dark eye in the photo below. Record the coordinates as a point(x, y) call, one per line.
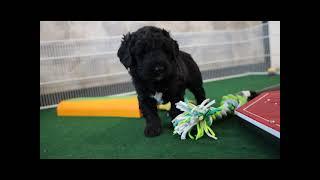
point(139, 54)
point(139, 48)
point(167, 51)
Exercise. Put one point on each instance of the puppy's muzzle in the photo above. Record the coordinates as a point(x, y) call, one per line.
point(159, 69)
point(159, 72)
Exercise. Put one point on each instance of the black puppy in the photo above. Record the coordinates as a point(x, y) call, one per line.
point(160, 73)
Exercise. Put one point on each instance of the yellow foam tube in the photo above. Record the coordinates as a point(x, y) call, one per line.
point(107, 107)
point(104, 107)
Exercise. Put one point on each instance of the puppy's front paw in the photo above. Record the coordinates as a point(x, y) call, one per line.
point(152, 130)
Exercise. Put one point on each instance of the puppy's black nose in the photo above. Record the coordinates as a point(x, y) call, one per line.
point(159, 69)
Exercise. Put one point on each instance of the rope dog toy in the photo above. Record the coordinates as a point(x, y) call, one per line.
point(203, 115)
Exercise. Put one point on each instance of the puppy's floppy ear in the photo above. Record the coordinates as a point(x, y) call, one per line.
point(174, 43)
point(165, 33)
point(176, 48)
point(124, 51)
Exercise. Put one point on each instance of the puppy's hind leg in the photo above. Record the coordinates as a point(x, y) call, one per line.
point(198, 92)
point(174, 112)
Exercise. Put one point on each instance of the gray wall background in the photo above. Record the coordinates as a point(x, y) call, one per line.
point(82, 54)
point(60, 30)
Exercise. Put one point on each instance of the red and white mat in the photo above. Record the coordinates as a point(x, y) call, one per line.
point(263, 111)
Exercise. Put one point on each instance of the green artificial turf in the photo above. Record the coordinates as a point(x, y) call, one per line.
point(103, 137)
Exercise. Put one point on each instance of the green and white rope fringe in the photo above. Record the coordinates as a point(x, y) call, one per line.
point(203, 115)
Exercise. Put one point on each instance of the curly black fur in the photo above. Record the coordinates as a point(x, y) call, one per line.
point(156, 64)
